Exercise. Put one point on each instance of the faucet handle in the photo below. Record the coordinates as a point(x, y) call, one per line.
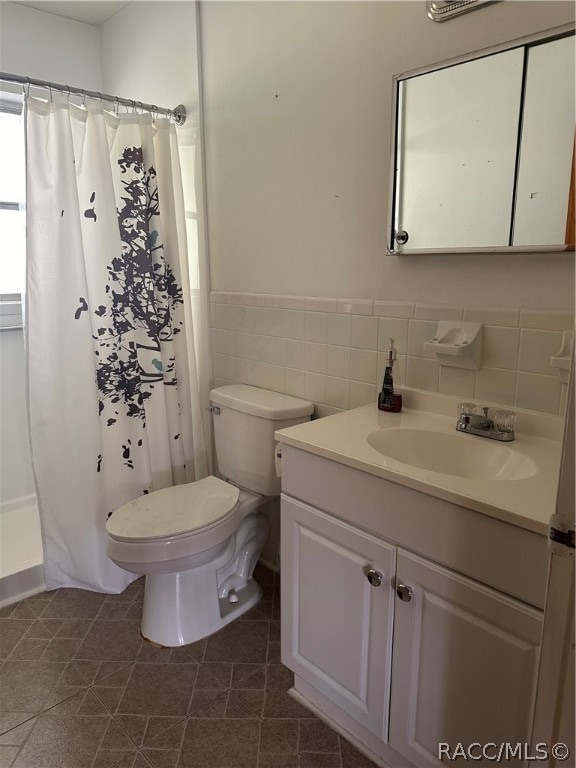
point(467, 409)
point(505, 421)
point(485, 411)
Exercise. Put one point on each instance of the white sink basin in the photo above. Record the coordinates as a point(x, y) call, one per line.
point(466, 456)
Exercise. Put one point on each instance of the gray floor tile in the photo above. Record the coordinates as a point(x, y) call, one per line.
point(278, 677)
point(273, 652)
point(113, 611)
point(315, 732)
point(73, 629)
point(11, 632)
point(208, 704)
point(161, 758)
point(61, 649)
point(282, 761)
point(38, 630)
point(353, 758)
point(159, 689)
point(37, 603)
point(219, 743)
point(134, 726)
point(8, 755)
point(322, 759)
point(164, 733)
point(274, 632)
point(79, 688)
point(197, 649)
point(26, 685)
point(214, 675)
point(279, 704)
point(21, 610)
point(116, 758)
point(111, 641)
point(73, 604)
point(96, 672)
point(140, 762)
point(282, 738)
point(29, 648)
point(249, 676)
point(245, 703)
point(239, 642)
point(263, 575)
point(61, 738)
point(15, 727)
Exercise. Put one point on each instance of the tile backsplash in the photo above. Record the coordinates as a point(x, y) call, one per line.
point(332, 351)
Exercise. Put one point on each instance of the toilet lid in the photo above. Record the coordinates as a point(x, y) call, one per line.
point(172, 511)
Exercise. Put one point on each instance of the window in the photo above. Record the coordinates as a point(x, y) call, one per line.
point(12, 213)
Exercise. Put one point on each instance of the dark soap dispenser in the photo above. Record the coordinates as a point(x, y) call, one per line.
point(388, 400)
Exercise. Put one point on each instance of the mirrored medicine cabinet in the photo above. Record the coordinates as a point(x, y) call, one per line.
point(483, 151)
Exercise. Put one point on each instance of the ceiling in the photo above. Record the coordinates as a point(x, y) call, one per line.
point(89, 11)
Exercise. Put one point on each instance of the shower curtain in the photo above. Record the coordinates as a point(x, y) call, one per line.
point(113, 384)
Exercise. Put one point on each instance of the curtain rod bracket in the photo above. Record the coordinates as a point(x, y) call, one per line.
point(180, 114)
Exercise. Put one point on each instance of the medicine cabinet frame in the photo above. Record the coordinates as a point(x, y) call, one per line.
point(527, 42)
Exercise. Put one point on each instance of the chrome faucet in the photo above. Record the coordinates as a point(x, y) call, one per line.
point(501, 427)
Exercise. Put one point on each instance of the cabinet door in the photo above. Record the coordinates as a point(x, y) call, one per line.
point(464, 664)
point(336, 624)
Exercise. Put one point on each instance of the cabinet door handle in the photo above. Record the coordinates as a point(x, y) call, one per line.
point(374, 577)
point(404, 592)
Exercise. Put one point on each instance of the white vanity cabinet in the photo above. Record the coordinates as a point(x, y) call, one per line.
point(338, 611)
point(464, 663)
point(385, 633)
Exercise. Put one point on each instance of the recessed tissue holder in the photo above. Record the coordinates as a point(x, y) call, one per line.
point(457, 344)
point(563, 358)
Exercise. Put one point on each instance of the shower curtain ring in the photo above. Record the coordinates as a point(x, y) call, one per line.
point(26, 88)
point(84, 99)
point(116, 105)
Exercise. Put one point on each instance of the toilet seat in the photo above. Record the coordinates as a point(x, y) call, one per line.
point(175, 512)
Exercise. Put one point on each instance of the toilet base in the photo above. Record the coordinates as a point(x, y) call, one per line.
point(248, 597)
point(183, 607)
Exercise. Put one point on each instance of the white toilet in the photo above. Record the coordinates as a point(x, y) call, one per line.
point(198, 543)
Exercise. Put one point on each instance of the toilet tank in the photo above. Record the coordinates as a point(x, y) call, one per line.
point(244, 433)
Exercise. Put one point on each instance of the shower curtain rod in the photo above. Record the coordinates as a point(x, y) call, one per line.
point(178, 113)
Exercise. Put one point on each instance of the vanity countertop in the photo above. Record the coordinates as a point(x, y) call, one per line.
point(527, 503)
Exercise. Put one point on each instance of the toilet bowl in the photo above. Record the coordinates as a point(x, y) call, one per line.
point(197, 543)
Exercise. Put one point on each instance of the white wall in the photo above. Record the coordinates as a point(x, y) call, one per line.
point(38, 44)
point(298, 118)
point(149, 54)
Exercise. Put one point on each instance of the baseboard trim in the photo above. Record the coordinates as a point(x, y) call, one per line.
point(269, 565)
point(20, 585)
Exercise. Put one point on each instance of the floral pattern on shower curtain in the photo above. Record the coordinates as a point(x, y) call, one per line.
point(113, 385)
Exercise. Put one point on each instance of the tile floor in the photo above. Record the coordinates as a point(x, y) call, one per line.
point(79, 688)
